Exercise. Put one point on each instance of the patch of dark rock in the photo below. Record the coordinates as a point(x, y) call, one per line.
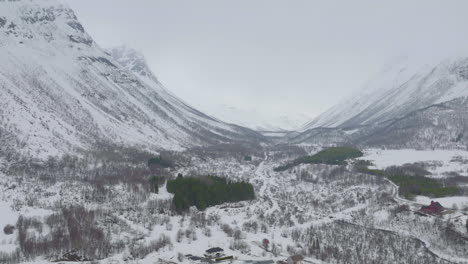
point(98, 59)
point(8, 229)
point(12, 26)
point(106, 61)
point(40, 16)
point(463, 72)
point(76, 25)
point(2, 22)
point(81, 40)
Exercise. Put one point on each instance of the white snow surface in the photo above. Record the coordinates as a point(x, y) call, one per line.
point(439, 161)
point(8, 217)
point(284, 201)
point(258, 120)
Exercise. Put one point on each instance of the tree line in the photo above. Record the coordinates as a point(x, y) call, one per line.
point(329, 156)
point(412, 180)
point(207, 191)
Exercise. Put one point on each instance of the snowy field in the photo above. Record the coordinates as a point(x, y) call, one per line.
point(438, 162)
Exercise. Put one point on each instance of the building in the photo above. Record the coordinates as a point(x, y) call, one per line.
point(215, 252)
point(433, 208)
point(296, 259)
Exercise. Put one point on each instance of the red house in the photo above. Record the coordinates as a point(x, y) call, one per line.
point(433, 208)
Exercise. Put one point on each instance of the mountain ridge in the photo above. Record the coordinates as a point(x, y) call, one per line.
point(400, 108)
point(402, 87)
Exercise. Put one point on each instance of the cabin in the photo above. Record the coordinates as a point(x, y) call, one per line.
point(296, 259)
point(433, 208)
point(215, 252)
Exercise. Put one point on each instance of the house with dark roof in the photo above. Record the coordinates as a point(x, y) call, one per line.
point(215, 252)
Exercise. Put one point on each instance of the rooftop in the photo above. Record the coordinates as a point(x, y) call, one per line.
point(215, 249)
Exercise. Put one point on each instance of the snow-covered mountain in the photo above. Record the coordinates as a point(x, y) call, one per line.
point(59, 91)
point(258, 120)
point(403, 86)
point(409, 104)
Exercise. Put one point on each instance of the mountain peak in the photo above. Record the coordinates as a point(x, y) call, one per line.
point(132, 60)
point(41, 23)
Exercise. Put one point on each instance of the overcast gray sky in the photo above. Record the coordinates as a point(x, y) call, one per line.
point(278, 57)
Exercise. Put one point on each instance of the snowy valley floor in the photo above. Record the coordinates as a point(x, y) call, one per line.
point(329, 214)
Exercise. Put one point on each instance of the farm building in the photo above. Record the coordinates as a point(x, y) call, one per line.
point(215, 252)
point(433, 208)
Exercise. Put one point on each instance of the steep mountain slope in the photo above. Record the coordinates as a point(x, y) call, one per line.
point(410, 104)
point(59, 91)
point(402, 87)
point(443, 125)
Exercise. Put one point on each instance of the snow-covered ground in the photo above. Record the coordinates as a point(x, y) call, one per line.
point(284, 203)
point(8, 217)
point(292, 208)
point(438, 162)
point(9, 214)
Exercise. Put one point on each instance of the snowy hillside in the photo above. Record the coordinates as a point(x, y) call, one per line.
point(408, 105)
point(60, 91)
point(402, 87)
